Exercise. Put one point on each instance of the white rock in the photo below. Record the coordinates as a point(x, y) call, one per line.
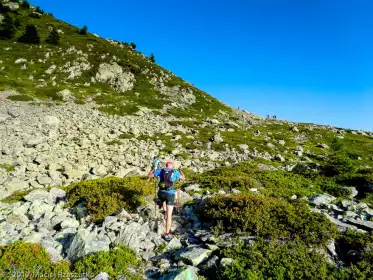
point(51, 120)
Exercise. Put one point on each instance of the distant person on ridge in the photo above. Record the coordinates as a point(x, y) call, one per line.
point(167, 178)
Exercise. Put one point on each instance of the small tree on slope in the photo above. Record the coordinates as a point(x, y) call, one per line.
point(30, 36)
point(53, 37)
point(152, 58)
point(7, 28)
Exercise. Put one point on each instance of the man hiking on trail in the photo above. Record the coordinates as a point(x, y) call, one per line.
point(167, 178)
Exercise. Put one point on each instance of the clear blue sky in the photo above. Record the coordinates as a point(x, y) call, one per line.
point(303, 60)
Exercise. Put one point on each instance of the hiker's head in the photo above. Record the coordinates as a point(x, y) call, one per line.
point(169, 164)
point(155, 157)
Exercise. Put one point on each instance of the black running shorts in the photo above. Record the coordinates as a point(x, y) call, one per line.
point(165, 196)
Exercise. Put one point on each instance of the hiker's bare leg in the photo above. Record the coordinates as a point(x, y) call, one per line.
point(164, 206)
point(170, 208)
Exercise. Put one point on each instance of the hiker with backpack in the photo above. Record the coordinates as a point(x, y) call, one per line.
point(166, 193)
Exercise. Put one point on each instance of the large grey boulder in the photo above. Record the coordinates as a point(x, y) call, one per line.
point(86, 242)
point(217, 138)
point(340, 225)
point(322, 199)
point(114, 75)
point(66, 95)
point(40, 208)
point(194, 255)
point(133, 234)
point(42, 195)
point(366, 225)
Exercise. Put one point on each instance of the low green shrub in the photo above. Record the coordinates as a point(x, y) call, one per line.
point(25, 4)
point(352, 240)
point(20, 98)
point(30, 260)
point(338, 164)
point(267, 217)
point(7, 167)
point(114, 142)
point(335, 189)
point(115, 263)
point(127, 136)
point(103, 197)
point(15, 197)
point(275, 260)
point(246, 175)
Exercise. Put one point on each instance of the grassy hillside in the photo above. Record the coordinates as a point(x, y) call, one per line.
point(83, 54)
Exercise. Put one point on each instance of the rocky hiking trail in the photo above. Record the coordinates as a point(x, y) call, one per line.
point(66, 233)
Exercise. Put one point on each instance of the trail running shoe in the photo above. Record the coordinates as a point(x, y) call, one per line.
point(167, 237)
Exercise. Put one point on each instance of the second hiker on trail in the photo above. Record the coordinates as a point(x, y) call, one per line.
point(155, 164)
point(167, 178)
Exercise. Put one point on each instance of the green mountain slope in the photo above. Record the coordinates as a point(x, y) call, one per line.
point(42, 70)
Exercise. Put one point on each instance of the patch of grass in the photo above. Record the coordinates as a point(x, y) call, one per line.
point(103, 197)
point(15, 197)
point(116, 263)
point(7, 167)
point(30, 259)
point(114, 142)
point(268, 217)
point(20, 98)
point(126, 136)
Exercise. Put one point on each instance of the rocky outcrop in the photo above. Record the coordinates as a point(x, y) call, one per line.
point(115, 76)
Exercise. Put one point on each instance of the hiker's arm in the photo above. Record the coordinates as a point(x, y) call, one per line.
point(154, 173)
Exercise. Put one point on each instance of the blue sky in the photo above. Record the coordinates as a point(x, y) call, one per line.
point(308, 60)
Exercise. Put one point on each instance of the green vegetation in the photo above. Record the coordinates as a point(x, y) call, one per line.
point(31, 259)
point(7, 167)
point(32, 262)
point(53, 37)
point(268, 217)
point(7, 27)
point(20, 98)
point(30, 36)
point(275, 260)
point(114, 142)
point(152, 58)
point(103, 197)
point(127, 136)
point(115, 263)
point(246, 175)
point(15, 197)
point(83, 30)
point(25, 4)
point(133, 45)
point(142, 95)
